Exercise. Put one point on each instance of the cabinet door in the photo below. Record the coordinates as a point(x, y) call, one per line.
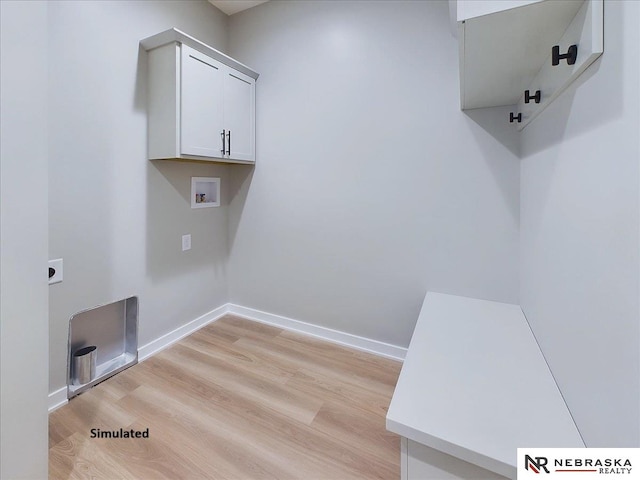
point(201, 108)
point(239, 114)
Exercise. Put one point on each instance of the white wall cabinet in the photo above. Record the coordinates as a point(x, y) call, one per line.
point(201, 103)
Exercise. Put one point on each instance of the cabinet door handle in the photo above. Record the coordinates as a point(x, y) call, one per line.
point(223, 142)
point(229, 143)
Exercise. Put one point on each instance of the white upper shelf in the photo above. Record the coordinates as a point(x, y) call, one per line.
point(466, 9)
point(503, 53)
point(175, 35)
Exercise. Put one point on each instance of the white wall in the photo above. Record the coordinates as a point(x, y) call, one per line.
point(24, 333)
point(370, 186)
point(579, 238)
point(116, 218)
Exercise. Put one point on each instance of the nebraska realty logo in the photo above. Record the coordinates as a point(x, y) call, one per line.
point(583, 463)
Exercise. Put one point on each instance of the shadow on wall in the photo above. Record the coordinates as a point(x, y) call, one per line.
point(495, 122)
point(169, 216)
point(239, 181)
point(140, 91)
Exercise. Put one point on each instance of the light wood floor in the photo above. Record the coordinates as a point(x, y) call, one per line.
point(235, 400)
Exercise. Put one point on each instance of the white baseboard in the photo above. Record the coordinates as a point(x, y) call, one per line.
point(57, 399)
point(335, 336)
point(179, 333)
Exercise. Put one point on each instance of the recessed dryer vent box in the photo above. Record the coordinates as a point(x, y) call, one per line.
point(113, 330)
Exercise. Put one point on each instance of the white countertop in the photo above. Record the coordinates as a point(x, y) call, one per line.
point(475, 385)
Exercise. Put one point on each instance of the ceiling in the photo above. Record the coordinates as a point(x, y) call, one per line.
point(234, 6)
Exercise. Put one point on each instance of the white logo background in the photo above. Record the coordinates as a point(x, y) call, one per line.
point(580, 463)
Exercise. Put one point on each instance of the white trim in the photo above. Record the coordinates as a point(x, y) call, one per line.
point(57, 399)
point(179, 333)
point(335, 336)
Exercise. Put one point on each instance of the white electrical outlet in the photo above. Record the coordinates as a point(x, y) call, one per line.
point(55, 271)
point(186, 242)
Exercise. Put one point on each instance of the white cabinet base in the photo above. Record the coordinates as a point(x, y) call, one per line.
point(419, 462)
point(465, 389)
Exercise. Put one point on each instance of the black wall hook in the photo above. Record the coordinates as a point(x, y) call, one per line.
point(513, 118)
point(528, 97)
point(570, 56)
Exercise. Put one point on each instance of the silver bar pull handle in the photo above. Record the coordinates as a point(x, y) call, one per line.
point(223, 142)
point(229, 143)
